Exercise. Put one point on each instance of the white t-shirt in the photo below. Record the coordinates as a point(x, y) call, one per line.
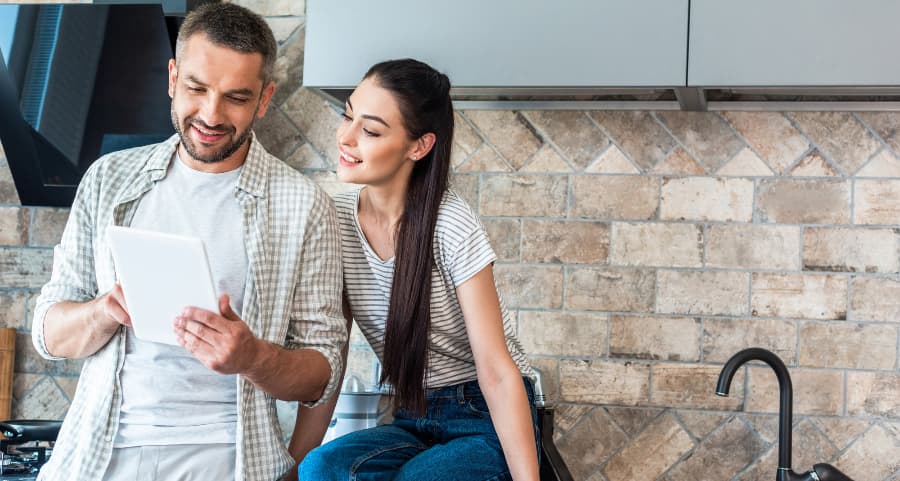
point(461, 250)
point(168, 397)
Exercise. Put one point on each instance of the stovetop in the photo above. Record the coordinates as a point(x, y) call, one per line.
point(22, 462)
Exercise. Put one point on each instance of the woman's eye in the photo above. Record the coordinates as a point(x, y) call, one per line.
point(346, 117)
point(370, 133)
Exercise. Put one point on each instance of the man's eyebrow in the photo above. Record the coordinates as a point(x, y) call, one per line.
point(195, 80)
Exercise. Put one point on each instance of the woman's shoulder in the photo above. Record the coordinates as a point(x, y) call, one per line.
point(456, 213)
point(346, 201)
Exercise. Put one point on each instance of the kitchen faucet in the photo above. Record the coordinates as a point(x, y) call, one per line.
point(819, 472)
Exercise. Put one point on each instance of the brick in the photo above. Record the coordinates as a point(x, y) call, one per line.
point(841, 431)
point(48, 226)
point(692, 386)
point(590, 443)
point(306, 157)
point(44, 401)
point(705, 135)
point(814, 165)
point(12, 309)
point(722, 338)
point(14, 223)
point(563, 333)
point(848, 346)
point(316, 119)
point(509, 131)
point(873, 394)
point(466, 185)
point(530, 286)
point(753, 246)
point(652, 453)
point(876, 202)
point(700, 423)
point(577, 137)
point(679, 162)
point(25, 268)
point(797, 295)
point(843, 138)
point(673, 339)
point(885, 124)
point(711, 293)
point(275, 8)
point(565, 241)
point(632, 420)
point(617, 197)
point(485, 159)
point(278, 134)
point(707, 199)
point(874, 455)
point(875, 299)
point(610, 289)
point(612, 161)
point(722, 455)
point(465, 138)
point(524, 195)
point(547, 161)
point(851, 250)
point(745, 164)
point(803, 201)
point(816, 446)
point(8, 193)
point(288, 71)
point(604, 382)
point(506, 237)
point(884, 164)
point(642, 138)
point(816, 392)
point(772, 135)
point(671, 245)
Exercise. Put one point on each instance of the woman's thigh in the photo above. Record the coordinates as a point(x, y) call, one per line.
point(468, 458)
point(373, 454)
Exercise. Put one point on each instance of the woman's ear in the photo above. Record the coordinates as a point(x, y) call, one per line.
point(422, 146)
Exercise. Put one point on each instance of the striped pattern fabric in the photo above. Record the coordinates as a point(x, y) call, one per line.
point(461, 250)
point(292, 297)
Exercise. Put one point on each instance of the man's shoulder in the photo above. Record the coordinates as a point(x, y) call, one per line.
point(116, 168)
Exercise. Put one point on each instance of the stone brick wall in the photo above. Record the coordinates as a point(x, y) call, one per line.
point(638, 251)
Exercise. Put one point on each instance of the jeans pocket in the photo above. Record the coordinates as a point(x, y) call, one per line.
point(477, 405)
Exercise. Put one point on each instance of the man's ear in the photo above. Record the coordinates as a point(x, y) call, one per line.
point(267, 93)
point(173, 76)
point(422, 146)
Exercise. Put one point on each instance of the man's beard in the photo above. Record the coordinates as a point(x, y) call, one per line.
point(191, 149)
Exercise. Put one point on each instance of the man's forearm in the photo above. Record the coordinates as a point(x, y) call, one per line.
point(71, 331)
point(290, 375)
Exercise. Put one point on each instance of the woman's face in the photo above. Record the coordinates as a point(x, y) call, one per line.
point(372, 140)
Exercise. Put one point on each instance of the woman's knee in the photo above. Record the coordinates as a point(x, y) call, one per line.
point(324, 463)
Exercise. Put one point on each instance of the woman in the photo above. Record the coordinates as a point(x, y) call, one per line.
point(419, 282)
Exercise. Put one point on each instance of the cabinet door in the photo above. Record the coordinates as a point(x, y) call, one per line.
point(794, 43)
point(502, 43)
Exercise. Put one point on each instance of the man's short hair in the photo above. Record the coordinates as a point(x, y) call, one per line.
point(234, 27)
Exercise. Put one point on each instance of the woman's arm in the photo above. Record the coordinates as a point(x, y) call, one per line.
point(498, 376)
point(311, 423)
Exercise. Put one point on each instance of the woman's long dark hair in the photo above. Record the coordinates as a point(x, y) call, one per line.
point(423, 95)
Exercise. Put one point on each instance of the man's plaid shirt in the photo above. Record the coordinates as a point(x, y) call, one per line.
point(292, 297)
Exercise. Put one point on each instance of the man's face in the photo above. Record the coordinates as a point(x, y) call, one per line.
point(217, 93)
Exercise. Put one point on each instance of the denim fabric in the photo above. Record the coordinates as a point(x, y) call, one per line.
point(455, 440)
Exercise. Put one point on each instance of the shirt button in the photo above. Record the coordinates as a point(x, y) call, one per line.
point(108, 438)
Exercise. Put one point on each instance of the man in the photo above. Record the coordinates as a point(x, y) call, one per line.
point(206, 410)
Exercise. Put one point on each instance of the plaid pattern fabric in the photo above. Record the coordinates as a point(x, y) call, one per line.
point(292, 297)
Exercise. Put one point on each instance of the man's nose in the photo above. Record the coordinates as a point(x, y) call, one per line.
point(211, 112)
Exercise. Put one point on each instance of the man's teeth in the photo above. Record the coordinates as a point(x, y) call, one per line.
point(207, 133)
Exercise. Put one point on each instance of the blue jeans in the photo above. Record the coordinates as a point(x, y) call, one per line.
point(455, 440)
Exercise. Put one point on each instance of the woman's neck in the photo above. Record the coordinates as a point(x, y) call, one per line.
point(383, 205)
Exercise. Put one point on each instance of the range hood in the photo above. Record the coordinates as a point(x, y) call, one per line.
point(620, 54)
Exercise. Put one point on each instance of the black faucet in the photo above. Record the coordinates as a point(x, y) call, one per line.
point(819, 472)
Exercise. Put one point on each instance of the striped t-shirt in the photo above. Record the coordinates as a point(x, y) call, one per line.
point(461, 250)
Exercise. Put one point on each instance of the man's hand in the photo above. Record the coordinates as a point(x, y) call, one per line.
point(109, 310)
point(223, 343)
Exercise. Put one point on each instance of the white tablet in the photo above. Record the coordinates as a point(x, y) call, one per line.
point(160, 274)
